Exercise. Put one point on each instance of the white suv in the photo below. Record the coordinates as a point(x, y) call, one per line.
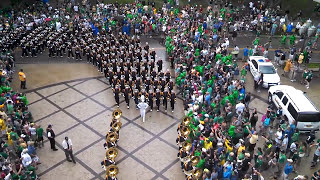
point(261, 64)
point(297, 108)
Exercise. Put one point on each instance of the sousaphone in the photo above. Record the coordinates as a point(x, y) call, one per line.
point(197, 174)
point(112, 171)
point(186, 121)
point(185, 131)
point(186, 146)
point(195, 160)
point(116, 126)
point(117, 114)
point(112, 137)
point(112, 153)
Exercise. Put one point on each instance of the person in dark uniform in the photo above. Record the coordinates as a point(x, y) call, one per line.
point(136, 97)
point(69, 48)
point(138, 84)
point(159, 64)
point(51, 136)
point(24, 50)
point(77, 52)
point(170, 85)
point(126, 95)
point(59, 50)
point(148, 83)
point(33, 49)
point(167, 76)
point(172, 99)
point(150, 99)
point(158, 97)
point(116, 94)
point(165, 95)
point(163, 84)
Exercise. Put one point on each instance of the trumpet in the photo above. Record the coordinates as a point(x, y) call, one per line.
point(117, 114)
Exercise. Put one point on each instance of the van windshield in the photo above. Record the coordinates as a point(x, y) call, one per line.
point(310, 117)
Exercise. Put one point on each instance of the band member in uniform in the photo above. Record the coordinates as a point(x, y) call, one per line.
point(163, 84)
point(167, 75)
point(69, 48)
point(150, 99)
point(77, 52)
point(59, 50)
point(158, 97)
point(138, 84)
point(165, 96)
point(136, 97)
point(170, 85)
point(159, 64)
point(116, 94)
point(143, 107)
point(148, 83)
point(172, 99)
point(126, 95)
point(106, 162)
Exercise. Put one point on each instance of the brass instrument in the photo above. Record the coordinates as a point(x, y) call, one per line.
point(112, 171)
point(197, 174)
point(116, 126)
point(117, 114)
point(186, 146)
point(186, 121)
point(185, 131)
point(195, 160)
point(112, 153)
point(112, 137)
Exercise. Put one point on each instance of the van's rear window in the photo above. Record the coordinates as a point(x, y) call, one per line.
point(309, 117)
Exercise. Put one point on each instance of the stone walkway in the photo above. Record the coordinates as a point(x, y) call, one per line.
point(82, 109)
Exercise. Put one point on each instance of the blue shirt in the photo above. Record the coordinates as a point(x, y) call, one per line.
point(288, 169)
point(245, 51)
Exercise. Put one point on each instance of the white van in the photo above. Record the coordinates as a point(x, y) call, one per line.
point(296, 107)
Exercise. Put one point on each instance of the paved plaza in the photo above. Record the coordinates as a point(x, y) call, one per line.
point(78, 102)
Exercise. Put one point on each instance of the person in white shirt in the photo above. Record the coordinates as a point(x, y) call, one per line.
point(143, 107)
point(67, 147)
point(26, 159)
point(240, 107)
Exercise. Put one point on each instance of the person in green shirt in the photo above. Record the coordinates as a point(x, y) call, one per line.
point(282, 160)
point(39, 131)
point(10, 107)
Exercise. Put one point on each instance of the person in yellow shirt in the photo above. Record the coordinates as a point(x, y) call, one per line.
point(3, 126)
point(207, 144)
point(23, 79)
point(287, 67)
